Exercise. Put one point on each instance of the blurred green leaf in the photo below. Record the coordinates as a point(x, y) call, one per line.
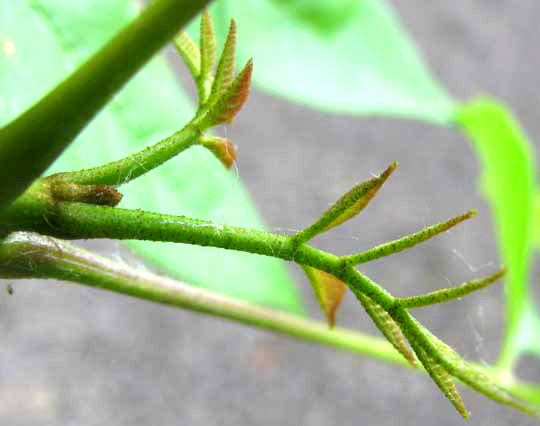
point(347, 56)
point(42, 41)
point(508, 182)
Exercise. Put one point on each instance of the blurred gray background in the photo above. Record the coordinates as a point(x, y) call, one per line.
point(77, 356)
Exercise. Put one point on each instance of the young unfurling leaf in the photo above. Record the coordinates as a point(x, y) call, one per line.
point(328, 289)
point(190, 52)
point(221, 96)
point(474, 377)
point(208, 56)
point(387, 326)
point(457, 367)
point(442, 379)
point(348, 206)
point(224, 109)
point(225, 70)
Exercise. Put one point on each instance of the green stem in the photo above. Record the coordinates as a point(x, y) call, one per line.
point(122, 171)
point(29, 255)
point(30, 143)
point(77, 220)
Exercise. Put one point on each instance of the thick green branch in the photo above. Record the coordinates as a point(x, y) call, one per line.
point(78, 220)
point(30, 143)
point(29, 255)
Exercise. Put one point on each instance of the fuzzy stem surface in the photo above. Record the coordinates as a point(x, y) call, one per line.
point(30, 255)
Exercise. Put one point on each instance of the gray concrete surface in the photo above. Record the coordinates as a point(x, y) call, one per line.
point(75, 356)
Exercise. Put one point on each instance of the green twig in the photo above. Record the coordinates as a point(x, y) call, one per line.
point(78, 220)
point(122, 171)
point(29, 255)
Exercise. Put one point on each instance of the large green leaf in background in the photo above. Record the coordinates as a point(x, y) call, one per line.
point(42, 41)
point(348, 56)
point(508, 182)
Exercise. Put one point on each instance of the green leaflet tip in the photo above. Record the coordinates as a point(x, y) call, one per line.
point(481, 283)
point(470, 214)
point(458, 219)
point(389, 170)
point(447, 294)
point(502, 272)
point(408, 241)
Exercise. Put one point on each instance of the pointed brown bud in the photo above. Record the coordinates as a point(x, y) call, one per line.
point(222, 148)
